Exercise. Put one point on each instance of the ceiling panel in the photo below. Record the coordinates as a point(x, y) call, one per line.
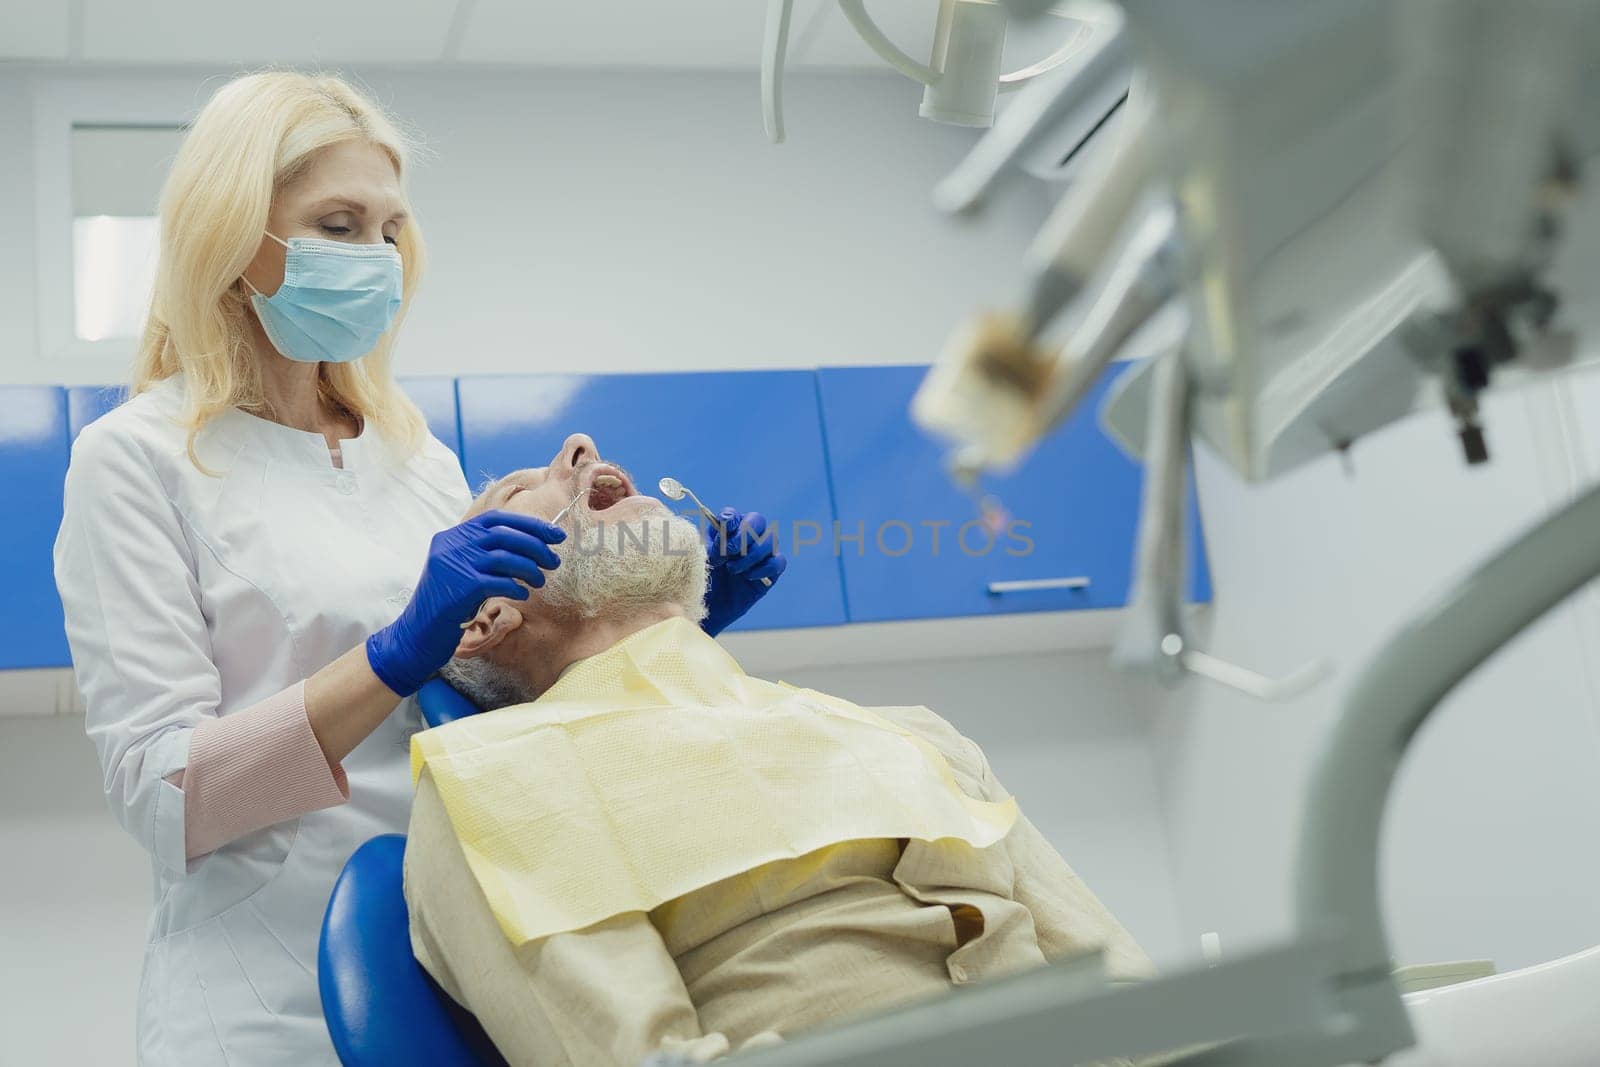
point(693, 34)
point(909, 24)
point(708, 34)
point(663, 33)
point(284, 31)
point(31, 30)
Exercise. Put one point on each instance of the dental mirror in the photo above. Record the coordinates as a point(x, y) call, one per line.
point(673, 489)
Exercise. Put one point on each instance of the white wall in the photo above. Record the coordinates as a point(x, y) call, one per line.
point(19, 354)
point(604, 222)
point(1489, 845)
point(647, 224)
point(595, 221)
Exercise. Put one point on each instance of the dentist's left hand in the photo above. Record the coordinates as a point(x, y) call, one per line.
point(744, 562)
point(486, 556)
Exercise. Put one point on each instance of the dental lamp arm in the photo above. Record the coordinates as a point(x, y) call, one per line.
point(996, 390)
point(1035, 113)
point(1139, 283)
point(774, 53)
point(1082, 229)
point(1152, 640)
point(855, 12)
point(1251, 684)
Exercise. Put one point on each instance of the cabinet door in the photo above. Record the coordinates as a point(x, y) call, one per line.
point(749, 439)
point(912, 545)
point(33, 459)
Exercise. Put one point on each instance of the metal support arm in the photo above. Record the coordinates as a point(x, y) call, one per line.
point(1338, 898)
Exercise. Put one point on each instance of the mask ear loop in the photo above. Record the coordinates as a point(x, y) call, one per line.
point(276, 238)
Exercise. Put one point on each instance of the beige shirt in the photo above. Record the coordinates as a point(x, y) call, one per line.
point(853, 928)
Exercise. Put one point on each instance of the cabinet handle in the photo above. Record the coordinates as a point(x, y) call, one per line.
point(1029, 585)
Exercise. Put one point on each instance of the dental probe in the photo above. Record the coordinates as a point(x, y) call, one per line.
point(673, 489)
point(570, 505)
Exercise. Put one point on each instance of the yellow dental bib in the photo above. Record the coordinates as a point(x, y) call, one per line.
point(659, 767)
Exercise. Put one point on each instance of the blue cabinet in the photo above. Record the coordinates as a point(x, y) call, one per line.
point(1070, 512)
point(435, 397)
point(873, 528)
point(85, 403)
point(750, 439)
point(33, 466)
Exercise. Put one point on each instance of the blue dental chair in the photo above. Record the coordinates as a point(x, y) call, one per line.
point(382, 1008)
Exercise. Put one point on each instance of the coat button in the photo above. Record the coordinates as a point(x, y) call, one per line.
point(347, 485)
point(958, 973)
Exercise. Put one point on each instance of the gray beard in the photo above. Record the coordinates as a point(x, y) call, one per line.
point(611, 569)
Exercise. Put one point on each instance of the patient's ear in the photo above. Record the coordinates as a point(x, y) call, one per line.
point(495, 621)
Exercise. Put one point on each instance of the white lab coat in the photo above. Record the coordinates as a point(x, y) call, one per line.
point(189, 594)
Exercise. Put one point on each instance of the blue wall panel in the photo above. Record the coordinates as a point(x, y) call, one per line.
point(924, 553)
point(749, 439)
point(436, 397)
point(33, 466)
point(85, 403)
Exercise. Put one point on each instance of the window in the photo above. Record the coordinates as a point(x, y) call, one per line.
point(102, 150)
point(117, 172)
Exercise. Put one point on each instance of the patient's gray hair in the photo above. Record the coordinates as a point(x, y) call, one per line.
point(487, 684)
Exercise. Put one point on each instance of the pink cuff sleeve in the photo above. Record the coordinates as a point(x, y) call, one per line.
point(254, 768)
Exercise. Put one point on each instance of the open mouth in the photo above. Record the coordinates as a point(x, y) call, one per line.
point(607, 485)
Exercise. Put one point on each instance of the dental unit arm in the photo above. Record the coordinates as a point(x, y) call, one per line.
point(962, 76)
point(1369, 203)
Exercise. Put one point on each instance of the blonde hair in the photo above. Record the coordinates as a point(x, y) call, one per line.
point(256, 135)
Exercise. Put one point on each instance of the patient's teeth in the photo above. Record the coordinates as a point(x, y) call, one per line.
point(607, 481)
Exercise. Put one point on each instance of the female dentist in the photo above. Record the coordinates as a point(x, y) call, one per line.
point(237, 543)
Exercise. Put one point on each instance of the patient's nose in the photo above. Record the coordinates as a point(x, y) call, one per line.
point(577, 449)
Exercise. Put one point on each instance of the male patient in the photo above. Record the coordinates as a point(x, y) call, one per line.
point(639, 849)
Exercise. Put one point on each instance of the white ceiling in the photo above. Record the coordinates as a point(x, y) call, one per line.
point(33, 31)
point(205, 31)
point(698, 34)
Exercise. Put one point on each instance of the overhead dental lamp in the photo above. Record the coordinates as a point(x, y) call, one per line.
point(962, 76)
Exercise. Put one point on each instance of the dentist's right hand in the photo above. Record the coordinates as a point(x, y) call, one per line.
point(485, 556)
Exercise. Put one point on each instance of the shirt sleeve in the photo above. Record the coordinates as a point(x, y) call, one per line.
point(254, 768)
point(140, 648)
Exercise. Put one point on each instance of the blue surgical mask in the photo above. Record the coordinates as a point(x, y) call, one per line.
point(335, 302)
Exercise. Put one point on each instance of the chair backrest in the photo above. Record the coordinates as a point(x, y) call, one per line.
point(440, 703)
point(381, 1007)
